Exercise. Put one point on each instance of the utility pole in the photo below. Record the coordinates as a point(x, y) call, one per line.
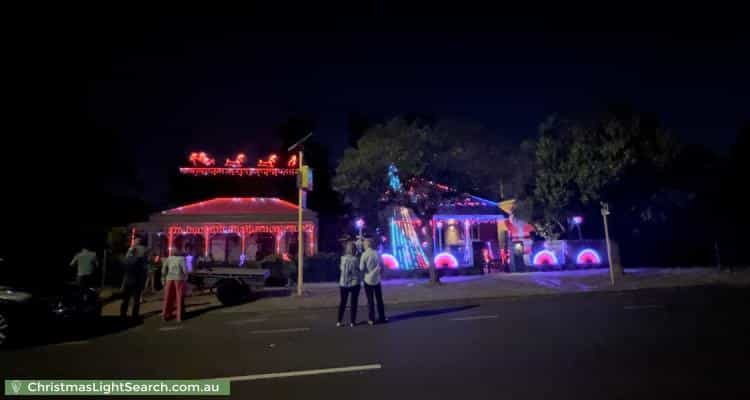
point(605, 213)
point(300, 233)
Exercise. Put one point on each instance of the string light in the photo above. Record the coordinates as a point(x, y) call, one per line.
point(238, 228)
point(219, 171)
point(405, 244)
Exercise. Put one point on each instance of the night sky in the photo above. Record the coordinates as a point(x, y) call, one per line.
point(166, 85)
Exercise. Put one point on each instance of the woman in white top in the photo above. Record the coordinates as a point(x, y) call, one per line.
point(174, 275)
point(349, 283)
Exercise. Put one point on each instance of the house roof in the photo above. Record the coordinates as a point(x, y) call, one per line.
point(466, 204)
point(235, 209)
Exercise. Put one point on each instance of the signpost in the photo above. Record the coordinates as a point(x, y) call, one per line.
point(301, 185)
point(605, 213)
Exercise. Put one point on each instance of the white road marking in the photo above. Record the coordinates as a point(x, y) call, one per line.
point(475, 317)
point(170, 328)
point(247, 321)
point(75, 342)
point(649, 306)
point(279, 330)
point(303, 373)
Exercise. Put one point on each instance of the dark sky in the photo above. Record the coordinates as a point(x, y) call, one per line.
point(166, 85)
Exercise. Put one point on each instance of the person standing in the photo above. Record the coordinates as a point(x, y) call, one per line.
point(153, 266)
point(85, 263)
point(348, 284)
point(134, 278)
point(371, 265)
point(174, 274)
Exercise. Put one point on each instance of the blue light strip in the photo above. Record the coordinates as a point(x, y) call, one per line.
point(487, 202)
point(473, 218)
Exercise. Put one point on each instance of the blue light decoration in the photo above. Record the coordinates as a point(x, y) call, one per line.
point(588, 257)
point(545, 257)
point(446, 260)
point(389, 261)
point(393, 181)
point(405, 244)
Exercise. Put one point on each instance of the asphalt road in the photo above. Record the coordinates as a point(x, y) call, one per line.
point(687, 343)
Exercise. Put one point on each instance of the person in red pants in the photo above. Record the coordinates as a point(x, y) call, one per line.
point(174, 275)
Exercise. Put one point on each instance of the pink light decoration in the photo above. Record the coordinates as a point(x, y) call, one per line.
point(238, 161)
point(132, 237)
point(311, 245)
point(389, 261)
point(279, 235)
point(207, 241)
point(170, 239)
point(292, 163)
point(270, 163)
point(218, 171)
point(445, 260)
point(545, 257)
point(588, 257)
point(578, 220)
point(201, 158)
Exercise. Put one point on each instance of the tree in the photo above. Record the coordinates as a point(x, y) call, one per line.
point(446, 152)
point(579, 163)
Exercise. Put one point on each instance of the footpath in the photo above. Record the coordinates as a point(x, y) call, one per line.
point(462, 288)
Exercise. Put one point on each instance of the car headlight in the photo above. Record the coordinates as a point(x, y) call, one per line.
point(14, 295)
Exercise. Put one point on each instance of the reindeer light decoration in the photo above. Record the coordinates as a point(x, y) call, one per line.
point(238, 161)
point(270, 163)
point(292, 163)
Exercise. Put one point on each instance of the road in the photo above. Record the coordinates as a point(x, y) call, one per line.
point(676, 343)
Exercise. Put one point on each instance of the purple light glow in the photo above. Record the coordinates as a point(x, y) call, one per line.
point(389, 261)
point(359, 223)
point(445, 260)
point(588, 257)
point(545, 257)
point(578, 220)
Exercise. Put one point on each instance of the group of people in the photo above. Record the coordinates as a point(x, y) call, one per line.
point(356, 271)
point(174, 274)
point(139, 273)
point(357, 268)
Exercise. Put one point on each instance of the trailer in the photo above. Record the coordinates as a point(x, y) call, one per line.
point(232, 285)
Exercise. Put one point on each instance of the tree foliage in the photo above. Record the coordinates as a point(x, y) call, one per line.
point(447, 152)
point(577, 164)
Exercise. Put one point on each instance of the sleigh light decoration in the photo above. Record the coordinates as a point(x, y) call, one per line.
point(201, 159)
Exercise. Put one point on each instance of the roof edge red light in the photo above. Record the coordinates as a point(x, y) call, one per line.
point(217, 171)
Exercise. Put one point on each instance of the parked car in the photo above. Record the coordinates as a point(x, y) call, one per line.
point(31, 306)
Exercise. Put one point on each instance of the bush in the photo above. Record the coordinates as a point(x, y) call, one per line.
point(322, 267)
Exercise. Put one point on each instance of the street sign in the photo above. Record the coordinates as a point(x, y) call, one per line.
point(305, 178)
